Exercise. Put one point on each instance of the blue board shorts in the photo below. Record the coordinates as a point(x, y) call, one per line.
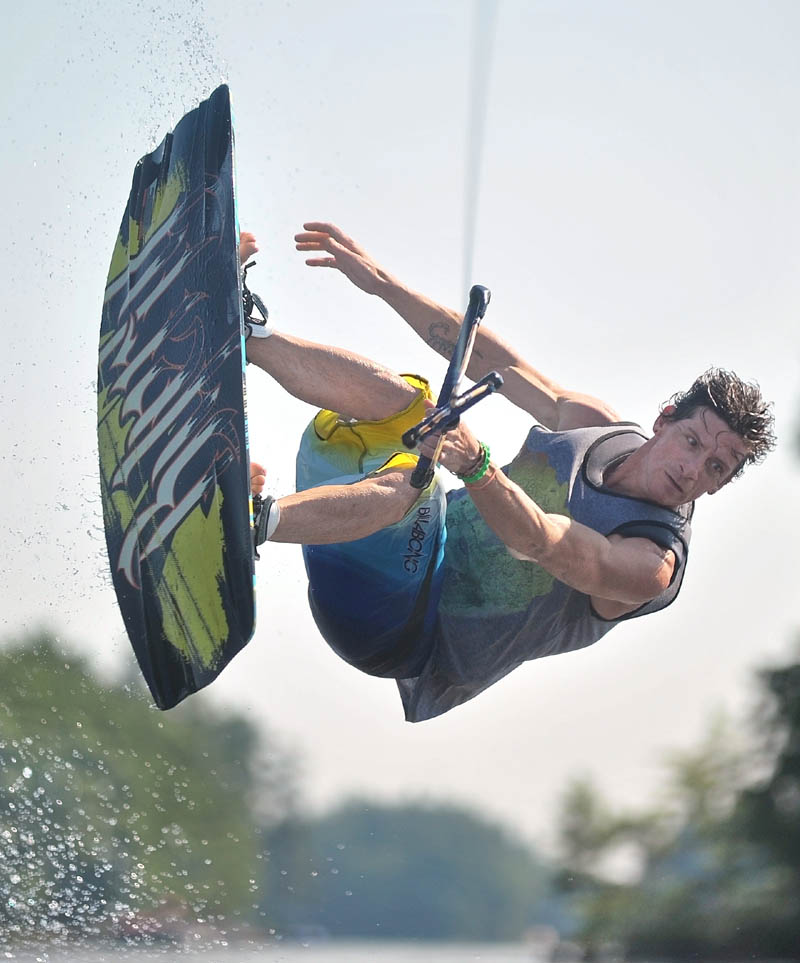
point(374, 600)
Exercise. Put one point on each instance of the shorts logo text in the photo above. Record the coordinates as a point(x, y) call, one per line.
point(416, 542)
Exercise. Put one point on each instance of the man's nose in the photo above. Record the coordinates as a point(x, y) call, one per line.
point(690, 470)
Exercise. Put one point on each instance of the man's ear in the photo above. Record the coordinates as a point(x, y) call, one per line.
point(662, 419)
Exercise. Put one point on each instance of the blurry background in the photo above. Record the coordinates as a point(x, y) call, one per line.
point(636, 221)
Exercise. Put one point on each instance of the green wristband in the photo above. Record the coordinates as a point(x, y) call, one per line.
point(481, 470)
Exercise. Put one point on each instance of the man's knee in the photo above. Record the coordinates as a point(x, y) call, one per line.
point(396, 493)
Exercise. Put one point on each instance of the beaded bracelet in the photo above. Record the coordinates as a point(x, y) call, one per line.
point(486, 480)
point(481, 470)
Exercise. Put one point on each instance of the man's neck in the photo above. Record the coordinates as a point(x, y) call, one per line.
point(621, 475)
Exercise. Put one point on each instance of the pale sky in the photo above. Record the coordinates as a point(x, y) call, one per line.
point(637, 222)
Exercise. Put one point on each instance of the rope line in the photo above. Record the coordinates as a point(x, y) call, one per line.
point(483, 35)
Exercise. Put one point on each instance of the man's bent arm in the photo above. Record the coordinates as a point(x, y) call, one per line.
point(630, 571)
point(546, 400)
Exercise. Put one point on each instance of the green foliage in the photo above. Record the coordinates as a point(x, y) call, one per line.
point(772, 809)
point(405, 871)
point(720, 875)
point(109, 808)
point(768, 812)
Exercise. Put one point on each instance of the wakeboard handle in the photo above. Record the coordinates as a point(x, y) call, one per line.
point(479, 297)
point(443, 419)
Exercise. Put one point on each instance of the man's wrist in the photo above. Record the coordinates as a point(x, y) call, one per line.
point(477, 471)
point(473, 466)
point(390, 290)
point(489, 475)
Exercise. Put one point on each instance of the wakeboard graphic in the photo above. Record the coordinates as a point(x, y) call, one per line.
point(171, 417)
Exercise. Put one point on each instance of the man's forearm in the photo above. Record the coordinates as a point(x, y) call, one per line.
point(573, 553)
point(534, 534)
point(438, 327)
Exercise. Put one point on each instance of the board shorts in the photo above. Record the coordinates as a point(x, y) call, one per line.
point(374, 599)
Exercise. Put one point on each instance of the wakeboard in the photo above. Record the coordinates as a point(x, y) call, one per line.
point(171, 413)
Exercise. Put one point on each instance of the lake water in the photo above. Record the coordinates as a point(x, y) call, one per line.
point(315, 952)
point(328, 952)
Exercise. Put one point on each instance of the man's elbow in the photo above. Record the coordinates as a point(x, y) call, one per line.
point(641, 587)
point(582, 411)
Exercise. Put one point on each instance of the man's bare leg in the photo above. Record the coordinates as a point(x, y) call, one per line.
point(331, 378)
point(344, 513)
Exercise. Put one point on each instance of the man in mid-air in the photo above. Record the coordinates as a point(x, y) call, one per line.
point(588, 526)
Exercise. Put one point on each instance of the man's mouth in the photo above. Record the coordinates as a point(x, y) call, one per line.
point(674, 484)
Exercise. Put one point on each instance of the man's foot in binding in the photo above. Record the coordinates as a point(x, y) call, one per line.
point(256, 316)
point(265, 509)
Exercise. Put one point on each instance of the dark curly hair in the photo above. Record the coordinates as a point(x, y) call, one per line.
point(737, 402)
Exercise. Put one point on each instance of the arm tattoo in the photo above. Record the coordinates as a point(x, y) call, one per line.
point(441, 340)
point(438, 338)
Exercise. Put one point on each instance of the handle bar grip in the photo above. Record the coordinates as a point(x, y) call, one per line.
point(479, 297)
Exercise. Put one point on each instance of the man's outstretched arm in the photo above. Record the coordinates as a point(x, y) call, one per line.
point(546, 400)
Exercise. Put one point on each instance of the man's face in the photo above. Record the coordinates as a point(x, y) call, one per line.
point(690, 457)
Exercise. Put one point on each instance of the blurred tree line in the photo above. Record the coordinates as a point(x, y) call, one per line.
point(118, 820)
point(412, 871)
point(717, 862)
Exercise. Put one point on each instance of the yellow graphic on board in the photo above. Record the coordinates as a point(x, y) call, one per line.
point(194, 618)
point(111, 437)
point(166, 199)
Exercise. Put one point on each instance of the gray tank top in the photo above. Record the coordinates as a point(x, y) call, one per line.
point(496, 611)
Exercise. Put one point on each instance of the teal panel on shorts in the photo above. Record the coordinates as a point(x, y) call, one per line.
point(374, 600)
